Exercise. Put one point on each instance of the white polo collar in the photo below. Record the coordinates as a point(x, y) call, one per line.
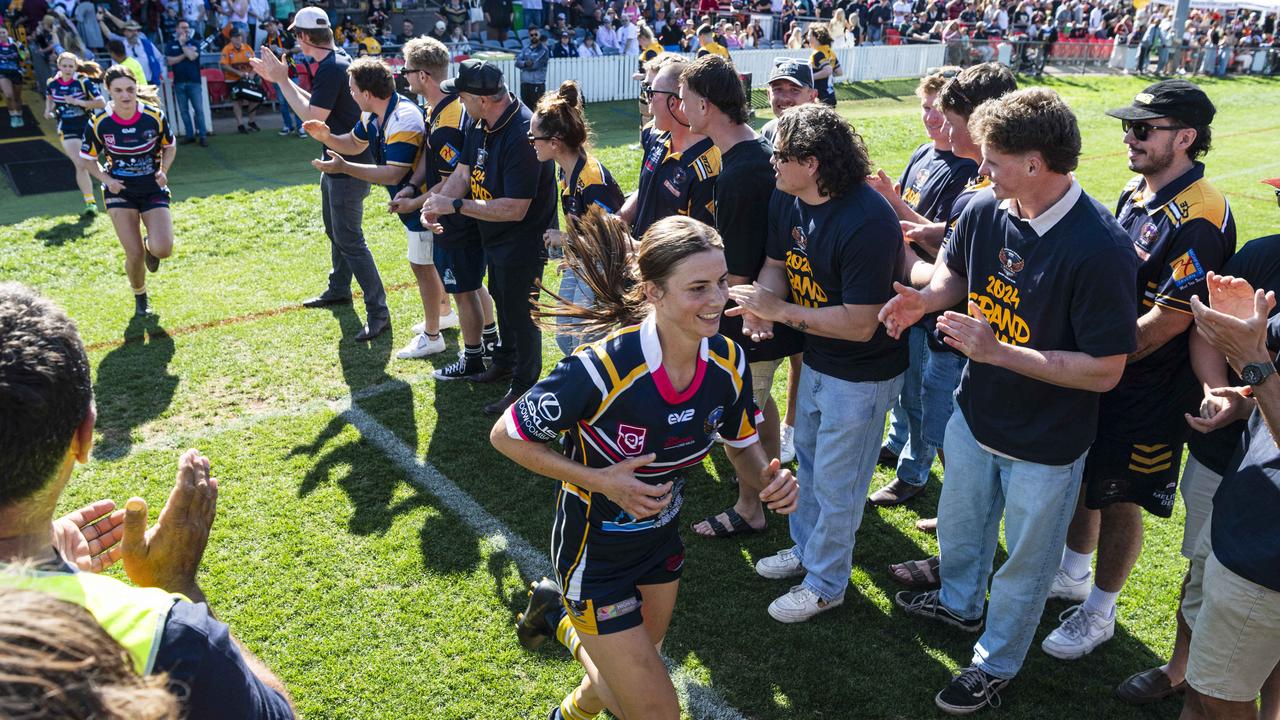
point(1045, 221)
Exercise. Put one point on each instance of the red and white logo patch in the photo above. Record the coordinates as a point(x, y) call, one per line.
point(631, 439)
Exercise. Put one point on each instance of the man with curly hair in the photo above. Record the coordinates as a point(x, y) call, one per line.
point(834, 248)
point(1049, 277)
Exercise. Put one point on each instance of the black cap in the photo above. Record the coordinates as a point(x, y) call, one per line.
point(793, 69)
point(1178, 99)
point(478, 77)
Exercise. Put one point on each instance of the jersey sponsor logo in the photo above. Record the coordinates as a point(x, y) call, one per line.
point(549, 407)
point(609, 612)
point(630, 439)
point(675, 185)
point(714, 420)
point(529, 415)
point(1011, 261)
point(677, 441)
point(1187, 269)
point(109, 139)
point(449, 154)
point(682, 416)
point(128, 130)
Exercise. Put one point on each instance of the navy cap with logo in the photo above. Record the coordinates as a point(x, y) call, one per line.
point(1178, 99)
point(477, 77)
point(793, 70)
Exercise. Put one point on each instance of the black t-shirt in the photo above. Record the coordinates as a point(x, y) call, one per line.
point(742, 195)
point(975, 185)
point(503, 165)
point(879, 15)
point(1178, 235)
point(1244, 531)
point(1258, 261)
point(447, 127)
point(1070, 289)
point(933, 179)
point(331, 91)
point(846, 251)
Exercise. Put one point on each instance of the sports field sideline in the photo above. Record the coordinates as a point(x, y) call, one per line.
point(373, 548)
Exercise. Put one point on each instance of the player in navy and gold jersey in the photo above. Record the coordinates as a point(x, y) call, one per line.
point(1181, 229)
point(456, 251)
point(69, 96)
point(632, 411)
point(678, 174)
point(136, 142)
point(825, 64)
point(558, 131)
point(11, 76)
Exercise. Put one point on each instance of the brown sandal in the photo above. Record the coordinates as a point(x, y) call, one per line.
point(917, 574)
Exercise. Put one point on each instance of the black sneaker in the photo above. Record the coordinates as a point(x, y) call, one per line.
point(254, 126)
point(970, 691)
point(927, 605)
point(242, 130)
point(141, 308)
point(464, 368)
point(152, 262)
point(532, 626)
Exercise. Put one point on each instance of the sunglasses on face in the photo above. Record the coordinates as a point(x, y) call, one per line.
point(647, 93)
point(1142, 130)
point(535, 138)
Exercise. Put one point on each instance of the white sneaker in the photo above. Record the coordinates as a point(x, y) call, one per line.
point(1081, 631)
point(778, 567)
point(788, 451)
point(1067, 588)
point(446, 322)
point(800, 604)
point(421, 346)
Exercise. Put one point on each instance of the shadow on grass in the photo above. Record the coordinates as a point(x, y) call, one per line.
point(65, 231)
point(133, 385)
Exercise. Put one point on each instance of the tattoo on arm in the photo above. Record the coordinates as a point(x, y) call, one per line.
point(800, 326)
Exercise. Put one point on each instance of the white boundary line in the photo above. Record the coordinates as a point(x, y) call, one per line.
point(701, 701)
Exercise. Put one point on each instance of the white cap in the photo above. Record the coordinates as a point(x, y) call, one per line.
point(310, 18)
point(440, 25)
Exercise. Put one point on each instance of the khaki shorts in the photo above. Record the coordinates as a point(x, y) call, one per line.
point(762, 380)
point(1198, 485)
point(1235, 629)
point(421, 247)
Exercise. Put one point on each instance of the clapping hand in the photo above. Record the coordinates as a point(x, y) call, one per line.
point(1235, 322)
point(317, 129)
point(971, 334)
point(167, 554)
point(902, 311)
point(269, 67)
point(89, 538)
point(334, 163)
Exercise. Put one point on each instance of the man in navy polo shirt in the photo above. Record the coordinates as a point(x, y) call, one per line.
point(511, 195)
point(1049, 276)
point(183, 58)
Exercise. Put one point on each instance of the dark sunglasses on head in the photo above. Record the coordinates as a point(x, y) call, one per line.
point(1142, 130)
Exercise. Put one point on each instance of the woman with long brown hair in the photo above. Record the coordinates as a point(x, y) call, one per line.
point(71, 96)
point(635, 409)
point(136, 142)
point(559, 131)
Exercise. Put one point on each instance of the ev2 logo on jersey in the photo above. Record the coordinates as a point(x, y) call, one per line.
point(682, 416)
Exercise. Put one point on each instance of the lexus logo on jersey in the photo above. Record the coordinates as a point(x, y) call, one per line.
point(631, 439)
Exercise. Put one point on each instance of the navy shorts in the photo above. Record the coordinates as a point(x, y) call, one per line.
point(607, 590)
point(1145, 474)
point(72, 129)
point(461, 268)
point(142, 200)
point(13, 76)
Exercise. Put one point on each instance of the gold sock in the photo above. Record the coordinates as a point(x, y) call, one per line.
point(140, 291)
point(88, 197)
point(567, 636)
point(571, 710)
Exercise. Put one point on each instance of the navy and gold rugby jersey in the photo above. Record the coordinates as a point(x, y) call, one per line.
point(677, 183)
point(395, 139)
point(1179, 234)
point(612, 401)
point(131, 147)
point(590, 184)
point(447, 126)
point(821, 57)
point(10, 60)
point(78, 88)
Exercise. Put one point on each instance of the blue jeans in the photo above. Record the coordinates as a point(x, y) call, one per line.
point(342, 208)
point(532, 18)
point(1036, 502)
point(906, 416)
point(874, 33)
point(942, 372)
point(576, 292)
point(1224, 60)
point(190, 101)
point(838, 429)
point(292, 122)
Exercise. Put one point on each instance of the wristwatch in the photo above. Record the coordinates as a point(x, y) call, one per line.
point(457, 207)
point(1257, 373)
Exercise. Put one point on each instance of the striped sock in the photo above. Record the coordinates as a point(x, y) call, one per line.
point(571, 710)
point(567, 636)
point(140, 290)
point(88, 198)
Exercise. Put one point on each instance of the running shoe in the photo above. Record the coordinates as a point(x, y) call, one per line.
point(785, 564)
point(421, 346)
point(285, 132)
point(1081, 632)
point(533, 626)
point(446, 322)
point(90, 208)
point(153, 262)
point(463, 368)
point(15, 121)
point(788, 451)
point(926, 605)
point(971, 690)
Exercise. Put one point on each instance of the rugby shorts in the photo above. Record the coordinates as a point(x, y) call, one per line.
point(142, 200)
point(461, 268)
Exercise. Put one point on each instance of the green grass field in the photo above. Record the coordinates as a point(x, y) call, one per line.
point(370, 543)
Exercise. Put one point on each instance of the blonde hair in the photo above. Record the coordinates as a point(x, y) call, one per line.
point(88, 68)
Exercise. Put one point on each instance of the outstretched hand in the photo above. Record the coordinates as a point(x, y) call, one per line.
point(902, 311)
point(89, 538)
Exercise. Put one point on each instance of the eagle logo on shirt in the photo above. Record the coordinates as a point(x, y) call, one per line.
point(798, 237)
point(1011, 261)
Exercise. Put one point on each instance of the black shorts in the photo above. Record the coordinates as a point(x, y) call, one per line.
point(140, 199)
point(248, 91)
point(461, 268)
point(72, 129)
point(1145, 474)
point(13, 76)
point(608, 591)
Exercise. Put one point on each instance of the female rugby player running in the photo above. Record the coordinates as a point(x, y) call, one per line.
point(137, 143)
point(636, 408)
point(11, 76)
point(558, 131)
point(69, 96)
